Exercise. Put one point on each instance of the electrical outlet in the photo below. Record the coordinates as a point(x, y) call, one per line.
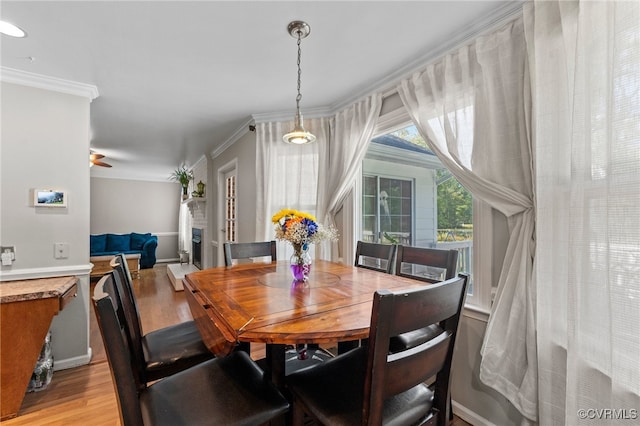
point(9, 249)
point(61, 250)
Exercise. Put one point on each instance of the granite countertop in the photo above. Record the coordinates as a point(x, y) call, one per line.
point(40, 288)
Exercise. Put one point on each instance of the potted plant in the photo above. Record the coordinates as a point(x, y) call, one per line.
point(183, 176)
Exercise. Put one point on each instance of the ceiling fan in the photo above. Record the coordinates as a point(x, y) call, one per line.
point(94, 160)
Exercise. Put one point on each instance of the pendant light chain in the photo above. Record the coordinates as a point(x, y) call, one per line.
point(299, 97)
point(298, 135)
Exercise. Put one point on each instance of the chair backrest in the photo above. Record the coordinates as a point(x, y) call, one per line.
point(114, 336)
point(426, 264)
point(378, 257)
point(125, 299)
point(120, 259)
point(247, 250)
point(399, 312)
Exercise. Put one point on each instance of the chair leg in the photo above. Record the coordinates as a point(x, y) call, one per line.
point(297, 414)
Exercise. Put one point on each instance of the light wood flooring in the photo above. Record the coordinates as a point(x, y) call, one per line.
point(85, 395)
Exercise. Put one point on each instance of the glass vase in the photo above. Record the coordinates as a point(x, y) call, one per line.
point(300, 264)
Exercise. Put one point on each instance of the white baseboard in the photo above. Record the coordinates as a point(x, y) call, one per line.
point(469, 416)
point(76, 361)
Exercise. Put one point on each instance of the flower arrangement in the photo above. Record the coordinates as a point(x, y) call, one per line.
point(301, 229)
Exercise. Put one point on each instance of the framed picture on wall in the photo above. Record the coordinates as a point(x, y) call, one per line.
point(49, 198)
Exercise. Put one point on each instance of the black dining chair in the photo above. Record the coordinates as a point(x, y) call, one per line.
point(426, 264)
point(430, 265)
point(161, 352)
point(369, 386)
point(237, 251)
point(378, 257)
point(226, 391)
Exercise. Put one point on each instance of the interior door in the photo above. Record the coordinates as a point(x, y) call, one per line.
point(227, 214)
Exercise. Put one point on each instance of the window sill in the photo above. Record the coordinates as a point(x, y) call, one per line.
point(475, 312)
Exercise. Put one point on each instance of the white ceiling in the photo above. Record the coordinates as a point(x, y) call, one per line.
point(178, 79)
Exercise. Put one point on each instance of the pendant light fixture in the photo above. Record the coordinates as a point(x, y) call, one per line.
point(298, 30)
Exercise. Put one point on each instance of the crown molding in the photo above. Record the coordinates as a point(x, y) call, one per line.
point(39, 81)
point(239, 132)
point(490, 22)
point(289, 115)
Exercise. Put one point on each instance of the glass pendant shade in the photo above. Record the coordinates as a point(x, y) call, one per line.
point(298, 135)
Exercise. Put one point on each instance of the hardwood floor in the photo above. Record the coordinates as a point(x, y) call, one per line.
point(85, 395)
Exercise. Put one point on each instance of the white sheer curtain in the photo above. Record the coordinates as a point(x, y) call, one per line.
point(474, 107)
point(586, 64)
point(287, 175)
point(341, 158)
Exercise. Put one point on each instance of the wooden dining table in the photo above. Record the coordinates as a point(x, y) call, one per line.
point(260, 302)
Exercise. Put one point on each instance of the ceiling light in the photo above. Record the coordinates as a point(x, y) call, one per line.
point(9, 29)
point(299, 135)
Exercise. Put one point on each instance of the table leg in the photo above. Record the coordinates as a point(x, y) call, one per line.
point(275, 364)
point(275, 359)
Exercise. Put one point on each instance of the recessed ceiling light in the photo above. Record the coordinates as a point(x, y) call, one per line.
point(9, 29)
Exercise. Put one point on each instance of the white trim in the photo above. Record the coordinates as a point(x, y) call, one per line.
point(73, 362)
point(165, 234)
point(469, 416)
point(392, 154)
point(39, 81)
point(352, 219)
point(392, 121)
point(476, 313)
point(289, 115)
point(240, 132)
point(53, 271)
point(231, 165)
point(482, 255)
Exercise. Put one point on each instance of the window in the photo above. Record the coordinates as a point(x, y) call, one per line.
point(387, 205)
point(409, 198)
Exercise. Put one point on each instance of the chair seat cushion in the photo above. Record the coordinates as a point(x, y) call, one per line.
point(333, 392)
point(242, 395)
point(173, 349)
point(414, 338)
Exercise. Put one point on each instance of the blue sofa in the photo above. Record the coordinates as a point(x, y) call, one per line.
point(133, 243)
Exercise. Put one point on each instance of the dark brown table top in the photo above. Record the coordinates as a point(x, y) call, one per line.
point(258, 302)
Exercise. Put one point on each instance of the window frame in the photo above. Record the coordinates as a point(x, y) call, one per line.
point(478, 304)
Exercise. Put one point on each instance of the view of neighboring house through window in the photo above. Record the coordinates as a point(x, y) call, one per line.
point(387, 210)
point(409, 198)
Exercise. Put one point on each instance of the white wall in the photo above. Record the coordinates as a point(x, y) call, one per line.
point(474, 401)
point(45, 144)
point(122, 206)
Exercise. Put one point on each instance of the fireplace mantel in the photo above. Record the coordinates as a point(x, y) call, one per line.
point(195, 203)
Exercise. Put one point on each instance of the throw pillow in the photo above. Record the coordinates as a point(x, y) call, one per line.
point(117, 242)
point(138, 240)
point(98, 243)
